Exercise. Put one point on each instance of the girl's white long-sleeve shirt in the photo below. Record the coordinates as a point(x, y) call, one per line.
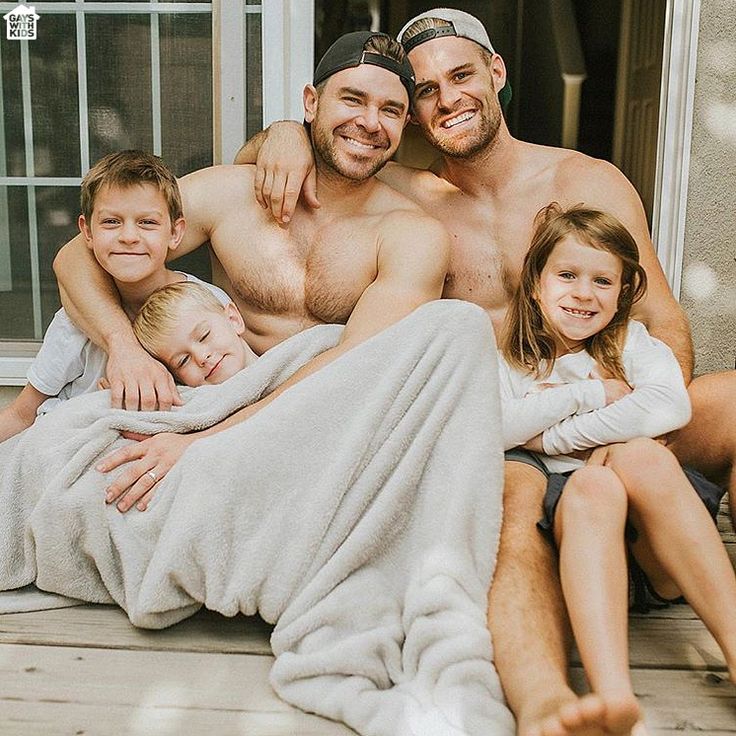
point(572, 414)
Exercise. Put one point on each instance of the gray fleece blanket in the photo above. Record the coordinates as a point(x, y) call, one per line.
point(359, 512)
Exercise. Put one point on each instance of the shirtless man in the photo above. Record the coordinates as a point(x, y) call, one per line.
point(366, 258)
point(486, 188)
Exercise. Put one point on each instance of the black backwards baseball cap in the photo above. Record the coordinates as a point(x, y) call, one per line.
point(462, 25)
point(349, 51)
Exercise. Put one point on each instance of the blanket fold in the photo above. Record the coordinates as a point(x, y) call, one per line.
point(359, 512)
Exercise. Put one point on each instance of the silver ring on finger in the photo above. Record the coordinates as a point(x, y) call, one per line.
point(152, 476)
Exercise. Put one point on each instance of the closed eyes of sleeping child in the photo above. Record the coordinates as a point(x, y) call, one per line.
point(197, 338)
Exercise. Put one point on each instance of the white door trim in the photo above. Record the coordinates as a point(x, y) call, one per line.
point(675, 134)
point(288, 57)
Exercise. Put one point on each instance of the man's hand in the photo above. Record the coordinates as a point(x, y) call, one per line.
point(615, 389)
point(284, 168)
point(534, 444)
point(136, 380)
point(149, 460)
point(598, 455)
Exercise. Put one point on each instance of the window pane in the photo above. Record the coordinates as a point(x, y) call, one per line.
point(119, 83)
point(57, 209)
point(253, 74)
point(186, 91)
point(54, 98)
point(120, 104)
point(14, 139)
point(16, 306)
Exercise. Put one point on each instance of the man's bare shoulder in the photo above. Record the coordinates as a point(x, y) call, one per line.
point(219, 184)
point(395, 209)
point(593, 181)
point(411, 230)
point(215, 198)
point(411, 182)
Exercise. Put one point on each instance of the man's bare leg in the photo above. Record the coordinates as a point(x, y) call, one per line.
point(708, 442)
point(528, 621)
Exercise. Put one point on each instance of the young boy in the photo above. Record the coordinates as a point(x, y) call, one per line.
point(131, 218)
point(193, 334)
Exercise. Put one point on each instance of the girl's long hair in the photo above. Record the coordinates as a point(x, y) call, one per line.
point(528, 341)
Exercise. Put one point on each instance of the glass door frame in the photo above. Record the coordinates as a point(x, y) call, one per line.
point(676, 106)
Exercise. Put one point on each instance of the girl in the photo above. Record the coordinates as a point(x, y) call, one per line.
point(576, 373)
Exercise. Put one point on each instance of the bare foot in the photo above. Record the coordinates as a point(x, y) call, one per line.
point(729, 652)
point(591, 715)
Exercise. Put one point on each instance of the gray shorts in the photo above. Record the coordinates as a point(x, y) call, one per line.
point(642, 596)
point(709, 493)
point(519, 455)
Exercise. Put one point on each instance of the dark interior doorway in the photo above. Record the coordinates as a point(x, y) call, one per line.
point(612, 47)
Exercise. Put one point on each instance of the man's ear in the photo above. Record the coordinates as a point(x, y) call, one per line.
point(498, 72)
point(408, 120)
point(235, 318)
point(85, 230)
point(310, 102)
point(177, 233)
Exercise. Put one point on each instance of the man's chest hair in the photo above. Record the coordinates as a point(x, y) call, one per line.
point(318, 271)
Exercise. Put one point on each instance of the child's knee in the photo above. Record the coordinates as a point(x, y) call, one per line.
point(639, 460)
point(593, 492)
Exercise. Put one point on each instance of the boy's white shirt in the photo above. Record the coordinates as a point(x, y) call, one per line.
point(69, 364)
point(573, 415)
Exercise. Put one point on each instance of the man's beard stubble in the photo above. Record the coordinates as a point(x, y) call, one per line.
point(476, 142)
point(325, 150)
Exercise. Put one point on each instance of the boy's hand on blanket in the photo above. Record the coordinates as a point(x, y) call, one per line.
point(150, 460)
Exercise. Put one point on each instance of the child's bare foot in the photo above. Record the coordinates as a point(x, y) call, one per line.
point(729, 652)
point(639, 729)
point(591, 715)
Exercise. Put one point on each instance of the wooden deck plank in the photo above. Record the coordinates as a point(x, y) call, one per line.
point(123, 677)
point(108, 627)
point(140, 688)
point(668, 639)
point(679, 641)
point(67, 719)
point(681, 700)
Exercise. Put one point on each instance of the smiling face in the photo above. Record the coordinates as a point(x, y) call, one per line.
point(578, 291)
point(204, 346)
point(456, 101)
point(357, 118)
point(130, 231)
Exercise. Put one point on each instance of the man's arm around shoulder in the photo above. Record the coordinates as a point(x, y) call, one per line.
point(601, 185)
point(284, 168)
point(403, 179)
